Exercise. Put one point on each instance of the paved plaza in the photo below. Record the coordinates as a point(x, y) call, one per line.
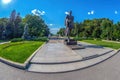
point(55, 56)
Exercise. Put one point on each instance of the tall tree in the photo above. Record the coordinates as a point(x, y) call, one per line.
point(107, 29)
point(37, 26)
point(3, 23)
point(17, 23)
point(11, 25)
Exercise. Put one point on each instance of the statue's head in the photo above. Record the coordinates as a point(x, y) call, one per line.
point(70, 13)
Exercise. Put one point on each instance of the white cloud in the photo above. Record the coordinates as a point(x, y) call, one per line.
point(91, 12)
point(38, 12)
point(43, 13)
point(67, 13)
point(50, 25)
point(116, 12)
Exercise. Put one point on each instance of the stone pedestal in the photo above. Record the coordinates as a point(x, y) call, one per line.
point(72, 44)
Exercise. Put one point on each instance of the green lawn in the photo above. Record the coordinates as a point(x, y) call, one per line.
point(104, 43)
point(19, 51)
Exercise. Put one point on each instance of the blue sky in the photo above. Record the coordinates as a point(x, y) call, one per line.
point(53, 11)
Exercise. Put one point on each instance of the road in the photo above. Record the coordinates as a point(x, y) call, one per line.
point(108, 70)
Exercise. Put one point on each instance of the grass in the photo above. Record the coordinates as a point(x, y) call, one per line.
point(104, 43)
point(19, 51)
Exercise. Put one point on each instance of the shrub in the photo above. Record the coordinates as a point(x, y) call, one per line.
point(89, 38)
point(40, 39)
point(83, 38)
point(78, 38)
point(97, 39)
point(17, 40)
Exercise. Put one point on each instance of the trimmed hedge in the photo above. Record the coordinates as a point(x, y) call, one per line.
point(40, 39)
point(17, 40)
point(44, 39)
point(83, 38)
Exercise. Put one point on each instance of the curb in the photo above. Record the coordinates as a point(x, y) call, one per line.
point(30, 58)
point(19, 65)
point(11, 63)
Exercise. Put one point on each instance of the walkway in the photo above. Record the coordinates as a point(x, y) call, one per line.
point(57, 57)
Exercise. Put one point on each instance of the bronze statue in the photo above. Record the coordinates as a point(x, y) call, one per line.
point(69, 23)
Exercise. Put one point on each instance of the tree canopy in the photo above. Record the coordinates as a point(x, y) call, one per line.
point(102, 28)
point(13, 27)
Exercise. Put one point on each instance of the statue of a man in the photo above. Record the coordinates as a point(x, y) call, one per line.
point(69, 23)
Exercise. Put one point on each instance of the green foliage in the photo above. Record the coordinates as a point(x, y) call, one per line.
point(13, 27)
point(102, 28)
point(61, 32)
point(78, 38)
point(116, 32)
point(19, 51)
point(37, 26)
point(1, 41)
point(17, 40)
point(84, 38)
point(3, 23)
point(45, 39)
point(98, 39)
